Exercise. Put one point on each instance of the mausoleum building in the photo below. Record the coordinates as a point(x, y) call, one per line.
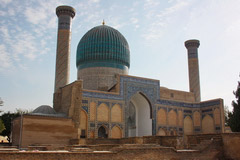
point(106, 102)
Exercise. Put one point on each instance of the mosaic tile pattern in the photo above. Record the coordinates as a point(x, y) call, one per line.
point(130, 86)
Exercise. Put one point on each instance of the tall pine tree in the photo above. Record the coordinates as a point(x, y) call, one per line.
point(234, 116)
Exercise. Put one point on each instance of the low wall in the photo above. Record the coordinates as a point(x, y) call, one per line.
point(42, 130)
point(198, 138)
point(128, 154)
point(168, 141)
point(231, 145)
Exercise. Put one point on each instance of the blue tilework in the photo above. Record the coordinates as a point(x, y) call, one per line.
point(210, 103)
point(151, 90)
point(103, 124)
point(84, 101)
point(160, 107)
point(185, 115)
point(103, 46)
point(85, 108)
point(116, 124)
point(192, 55)
point(187, 111)
point(188, 105)
point(207, 110)
point(210, 114)
point(163, 127)
point(117, 103)
point(178, 104)
point(100, 102)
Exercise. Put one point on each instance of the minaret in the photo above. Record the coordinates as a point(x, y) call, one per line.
point(65, 15)
point(193, 68)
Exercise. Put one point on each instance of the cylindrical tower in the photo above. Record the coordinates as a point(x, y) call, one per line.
point(193, 68)
point(65, 15)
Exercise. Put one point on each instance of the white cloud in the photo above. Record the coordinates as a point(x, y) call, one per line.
point(94, 1)
point(5, 60)
point(134, 20)
point(5, 34)
point(25, 45)
point(151, 3)
point(11, 12)
point(173, 9)
point(19, 44)
point(42, 14)
point(2, 13)
point(5, 1)
point(162, 19)
point(35, 16)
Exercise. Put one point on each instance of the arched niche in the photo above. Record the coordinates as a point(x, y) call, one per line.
point(172, 118)
point(116, 132)
point(161, 132)
point(142, 116)
point(102, 132)
point(180, 118)
point(196, 118)
point(92, 135)
point(116, 113)
point(173, 132)
point(92, 111)
point(161, 117)
point(208, 124)
point(83, 124)
point(188, 125)
point(103, 113)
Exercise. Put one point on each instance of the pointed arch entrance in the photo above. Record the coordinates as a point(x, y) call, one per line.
point(102, 132)
point(139, 116)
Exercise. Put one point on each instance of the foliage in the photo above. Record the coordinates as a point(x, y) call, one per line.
point(226, 112)
point(1, 104)
point(22, 111)
point(7, 120)
point(234, 116)
point(2, 126)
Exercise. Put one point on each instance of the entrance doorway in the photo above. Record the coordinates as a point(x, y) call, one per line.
point(139, 116)
point(102, 133)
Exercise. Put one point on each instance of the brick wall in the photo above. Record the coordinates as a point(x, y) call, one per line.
point(231, 145)
point(46, 130)
point(126, 154)
point(167, 141)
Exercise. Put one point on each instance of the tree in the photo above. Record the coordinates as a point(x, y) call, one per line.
point(234, 116)
point(7, 121)
point(1, 103)
point(226, 113)
point(2, 126)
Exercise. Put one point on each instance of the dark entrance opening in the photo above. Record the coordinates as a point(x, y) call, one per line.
point(83, 133)
point(102, 132)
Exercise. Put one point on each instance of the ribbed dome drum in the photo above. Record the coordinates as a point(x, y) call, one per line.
point(102, 53)
point(103, 46)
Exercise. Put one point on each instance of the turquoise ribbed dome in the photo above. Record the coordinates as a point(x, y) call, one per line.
point(103, 46)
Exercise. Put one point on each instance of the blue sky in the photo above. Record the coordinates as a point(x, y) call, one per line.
point(155, 30)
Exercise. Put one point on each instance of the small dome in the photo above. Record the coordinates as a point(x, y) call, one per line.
point(103, 46)
point(44, 109)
